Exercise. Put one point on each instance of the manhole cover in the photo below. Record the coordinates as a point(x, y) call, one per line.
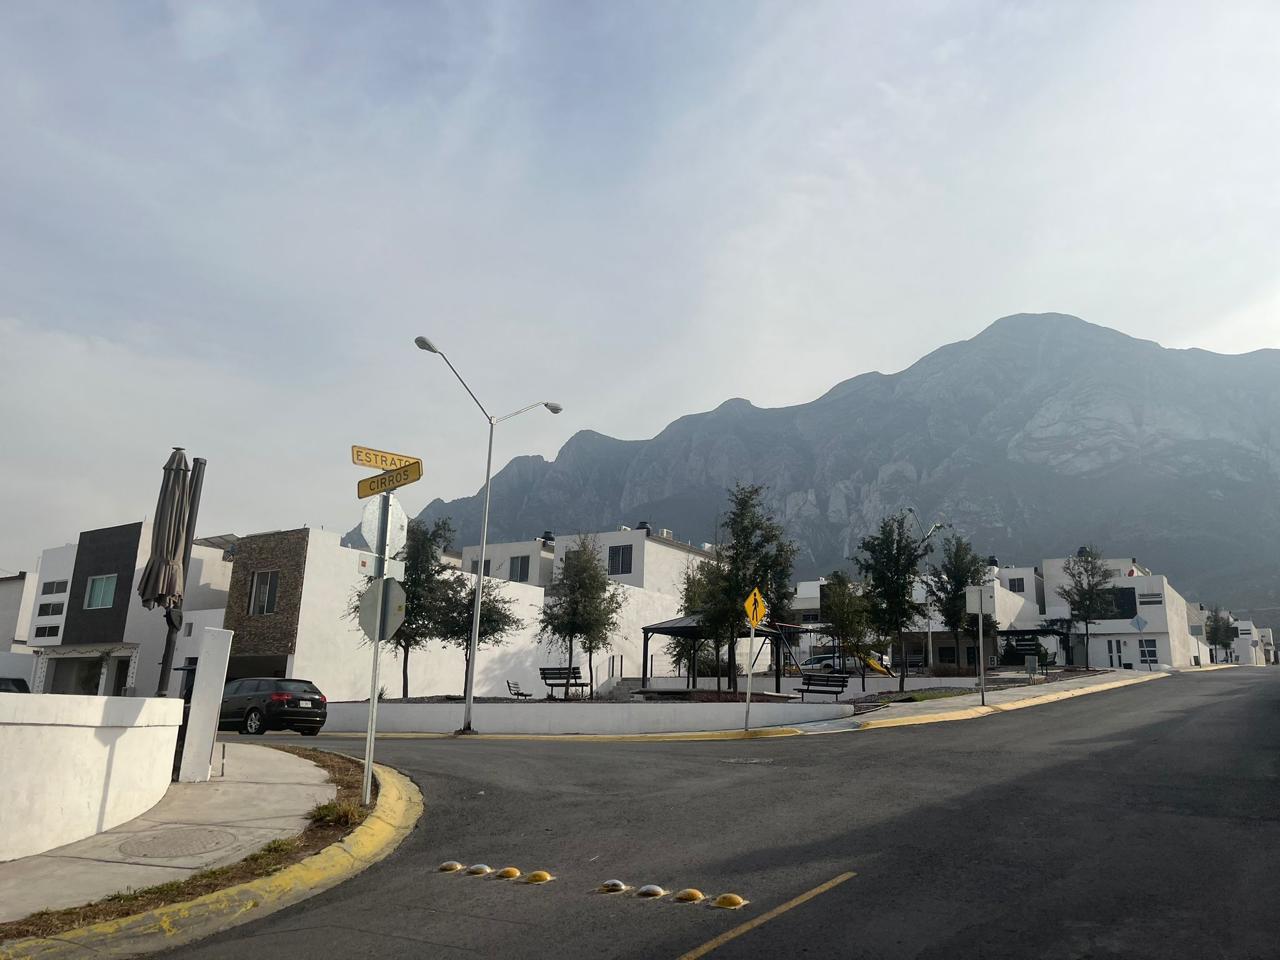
point(746, 760)
point(183, 842)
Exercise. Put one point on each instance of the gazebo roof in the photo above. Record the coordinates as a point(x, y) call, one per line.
point(690, 628)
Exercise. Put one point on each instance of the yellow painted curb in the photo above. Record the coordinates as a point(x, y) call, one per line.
point(757, 734)
point(398, 809)
point(972, 713)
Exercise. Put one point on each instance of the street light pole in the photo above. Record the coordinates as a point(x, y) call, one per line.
point(928, 608)
point(473, 643)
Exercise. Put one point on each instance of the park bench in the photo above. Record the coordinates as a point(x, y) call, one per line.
point(515, 691)
point(832, 683)
point(562, 677)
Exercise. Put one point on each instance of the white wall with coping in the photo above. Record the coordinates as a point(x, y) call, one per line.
point(876, 683)
point(75, 766)
point(580, 718)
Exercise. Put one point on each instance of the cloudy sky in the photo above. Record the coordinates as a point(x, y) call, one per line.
point(636, 209)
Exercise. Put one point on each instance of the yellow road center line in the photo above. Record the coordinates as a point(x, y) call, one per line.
point(750, 925)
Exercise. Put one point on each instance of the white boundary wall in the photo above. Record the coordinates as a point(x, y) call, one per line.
point(585, 718)
point(75, 766)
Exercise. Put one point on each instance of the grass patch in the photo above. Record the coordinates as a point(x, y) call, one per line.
point(920, 696)
point(344, 772)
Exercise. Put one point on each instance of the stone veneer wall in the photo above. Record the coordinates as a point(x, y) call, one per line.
point(272, 634)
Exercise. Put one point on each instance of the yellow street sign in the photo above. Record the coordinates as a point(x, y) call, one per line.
point(378, 459)
point(756, 607)
point(390, 479)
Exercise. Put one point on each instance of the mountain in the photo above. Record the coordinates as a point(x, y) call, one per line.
point(1040, 434)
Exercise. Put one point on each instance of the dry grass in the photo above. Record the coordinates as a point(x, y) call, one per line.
point(344, 772)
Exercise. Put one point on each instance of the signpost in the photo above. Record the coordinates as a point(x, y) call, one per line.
point(976, 602)
point(756, 609)
point(1139, 623)
point(385, 528)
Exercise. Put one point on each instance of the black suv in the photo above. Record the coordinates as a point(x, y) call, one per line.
point(258, 704)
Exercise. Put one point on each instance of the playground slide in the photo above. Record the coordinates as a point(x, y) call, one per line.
point(875, 665)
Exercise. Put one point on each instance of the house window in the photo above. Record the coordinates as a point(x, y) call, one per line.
point(100, 592)
point(808, 618)
point(50, 631)
point(475, 565)
point(50, 587)
point(186, 629)
point(946, 654)
point(620, 560)
point(1017, 584)
point(262, 598)
point(520, 569)
point(1151, 599)
point(49, 610)
point(1147, 649)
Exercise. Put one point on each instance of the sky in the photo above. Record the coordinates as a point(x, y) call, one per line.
point(222, 224)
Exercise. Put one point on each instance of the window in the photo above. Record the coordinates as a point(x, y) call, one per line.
point(1017, 584)
point(808, 618)
point(475, 565)
point(186, 629)
point(50, 631)
point(262, 598)
point(1151, 599)
point(520, 569)
point(50, 587)
point(49, 610)
point(100, 592)
point(946, 654)
point(1147, 649)
point(620, 560)
point(232, 688)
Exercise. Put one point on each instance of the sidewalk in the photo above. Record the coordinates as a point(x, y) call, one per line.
point(265, 794)
point(969, 705)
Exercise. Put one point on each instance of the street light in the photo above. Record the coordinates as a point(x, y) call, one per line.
point(928, 613)
point(473, 644)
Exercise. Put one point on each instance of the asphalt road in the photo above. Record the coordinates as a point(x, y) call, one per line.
point(1141, 822)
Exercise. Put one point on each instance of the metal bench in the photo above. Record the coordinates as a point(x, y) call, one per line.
point(563, 677)
point(832, 683)
point(515, 691)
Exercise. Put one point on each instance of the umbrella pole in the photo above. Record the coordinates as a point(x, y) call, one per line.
point(171, 635)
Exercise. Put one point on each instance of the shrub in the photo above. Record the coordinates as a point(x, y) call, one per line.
point(336, 814)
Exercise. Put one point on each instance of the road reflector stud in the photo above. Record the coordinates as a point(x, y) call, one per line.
point(449, 866)
point(508, 873)
point(729, 901)
point(479, 869)
point(613, 886)
point(651, 891)
point(539, 876)
point(690, 895)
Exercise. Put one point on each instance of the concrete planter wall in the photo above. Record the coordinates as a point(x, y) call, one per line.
point(75, 766)
point(585, 718)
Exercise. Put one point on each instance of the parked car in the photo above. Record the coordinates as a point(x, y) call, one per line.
point(824, 664)
point(13, 685)
point(255, 705)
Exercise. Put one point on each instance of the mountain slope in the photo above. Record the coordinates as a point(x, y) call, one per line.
point(1041, 433)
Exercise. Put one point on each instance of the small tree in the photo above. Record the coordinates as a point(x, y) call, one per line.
point(755, 553)
point(581, 605)
point(497, 619)
point(947, 584)
point(888, 562)
point(705, 594)
point(847, 621)
point(433, 590)
point(1217, 631)
point(1087, 591)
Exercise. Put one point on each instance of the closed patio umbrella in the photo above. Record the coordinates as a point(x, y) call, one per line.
point(161, 582)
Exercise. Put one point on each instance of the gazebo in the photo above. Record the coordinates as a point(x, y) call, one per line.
point(690, 628)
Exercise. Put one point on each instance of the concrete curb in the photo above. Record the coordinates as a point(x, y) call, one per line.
point(972, 713)
point(398, 809)
point(755, 733)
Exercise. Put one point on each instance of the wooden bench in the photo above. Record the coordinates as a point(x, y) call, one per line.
point(515, 691)
point(832, 683)
point(563, 677)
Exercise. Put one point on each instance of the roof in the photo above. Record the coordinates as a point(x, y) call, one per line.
point(690, 628)
point(221, 541)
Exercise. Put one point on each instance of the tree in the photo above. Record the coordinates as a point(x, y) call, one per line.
point(497, 619)
point(847, 621)
point(888, 562)
point(432, 589)
point(581, 605)
point(1217, 631)
point(1087, 590)
point(947, 585)
point(754, 553)
point(707, 595)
